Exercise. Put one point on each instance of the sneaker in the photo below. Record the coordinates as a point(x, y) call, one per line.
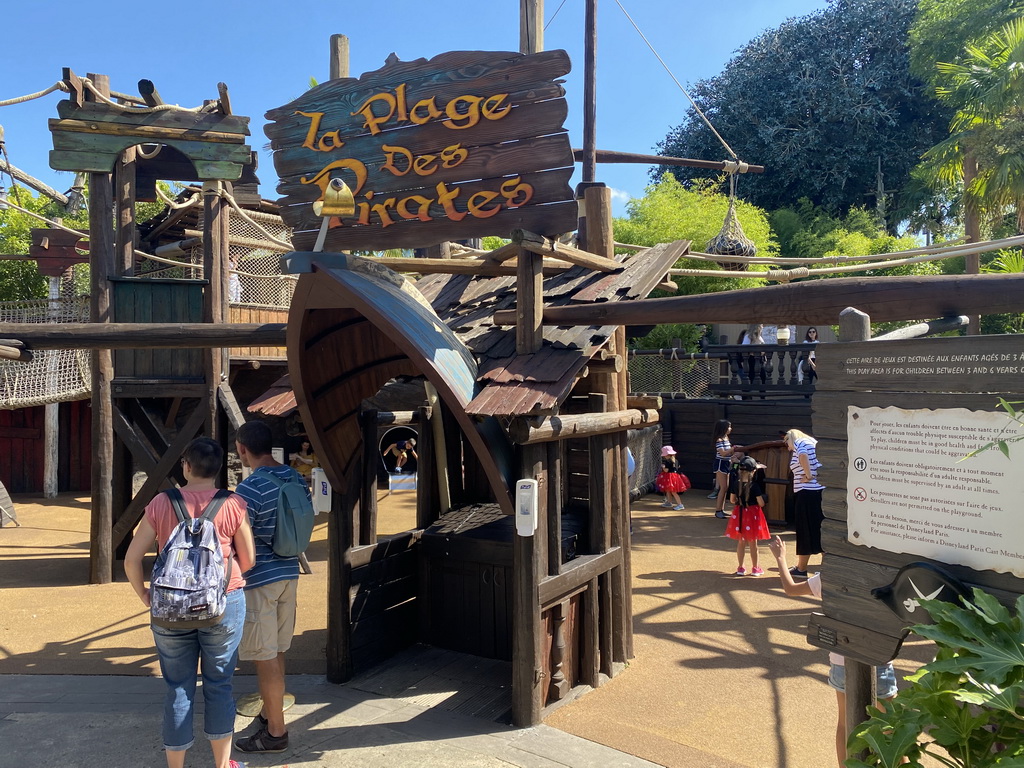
point(713, 495)
point(741, 571)
point(666, 504)
point(262, 741)
point(794, 571)
point(235, 764)
point(758, 571)
point(720, 514)
point(677, 507)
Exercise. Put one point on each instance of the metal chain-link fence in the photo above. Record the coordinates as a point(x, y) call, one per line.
point(645, 445)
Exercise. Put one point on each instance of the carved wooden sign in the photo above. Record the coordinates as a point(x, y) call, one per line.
point(464, 145)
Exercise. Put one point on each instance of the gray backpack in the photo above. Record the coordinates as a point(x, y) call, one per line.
point(188, 588)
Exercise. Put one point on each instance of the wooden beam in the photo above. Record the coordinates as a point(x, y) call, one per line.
point(15, 353)
point(577, 573)
point(155, 133)
point(133, 512)
point(611, 156)
point(545, 246)
point(528, 560)
point(813, 302)
point(145, 335)
point(480, 267)
point(101, 267)
point(229, 403)
point(149, 93)
point(645, 401)
point(367, 533)
point(403, 418)
point(928, 328)
point(531, 26)
point(339, 66)
point(529, 304)
point(523, 432)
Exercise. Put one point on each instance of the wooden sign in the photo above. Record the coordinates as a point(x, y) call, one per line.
point(464, 145)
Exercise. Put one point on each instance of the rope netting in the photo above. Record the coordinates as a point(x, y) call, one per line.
point(654, 374)
point(53, 376)
point(258, 279)
point(645, 445)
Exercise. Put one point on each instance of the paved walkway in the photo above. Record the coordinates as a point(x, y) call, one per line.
point(113, 722)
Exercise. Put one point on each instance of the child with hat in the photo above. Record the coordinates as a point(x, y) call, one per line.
point(670, 480)
point(747, 524)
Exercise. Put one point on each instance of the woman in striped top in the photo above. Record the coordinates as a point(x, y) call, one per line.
point(807, 497)
point(723, 460)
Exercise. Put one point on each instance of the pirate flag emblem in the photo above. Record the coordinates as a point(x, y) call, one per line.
point(916, 582)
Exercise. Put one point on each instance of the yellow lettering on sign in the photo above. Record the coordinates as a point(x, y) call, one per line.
point(462, 112)
point(314, 126)
point(389, 159)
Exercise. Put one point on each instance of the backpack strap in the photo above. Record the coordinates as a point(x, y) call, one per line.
point(214, 506)
point(178, 504)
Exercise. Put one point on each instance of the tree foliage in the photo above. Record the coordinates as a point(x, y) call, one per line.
point(670, 211)
point(820, 101)
point(986, 88)
point(943, 28)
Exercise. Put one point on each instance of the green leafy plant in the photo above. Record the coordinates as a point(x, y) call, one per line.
point(964, 709)
point(1016, 414)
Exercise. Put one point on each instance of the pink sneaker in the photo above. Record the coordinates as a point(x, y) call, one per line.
point(758, 571)
point(741, 571)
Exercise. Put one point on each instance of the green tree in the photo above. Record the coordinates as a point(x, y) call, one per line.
point(669, 211)
point(20, 279)
point(943, 28)
point(987, 90)
point(819, 101)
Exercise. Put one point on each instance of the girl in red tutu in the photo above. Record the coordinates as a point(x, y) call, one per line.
point(670, 480)
point(747, 523)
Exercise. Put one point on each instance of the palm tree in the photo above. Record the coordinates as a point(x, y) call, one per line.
point(985, 150)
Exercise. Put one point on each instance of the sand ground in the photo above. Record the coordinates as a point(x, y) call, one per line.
point(721, 672)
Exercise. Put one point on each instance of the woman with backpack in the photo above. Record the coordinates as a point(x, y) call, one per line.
point(185, 525)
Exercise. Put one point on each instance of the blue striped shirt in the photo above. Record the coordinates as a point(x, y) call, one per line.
point(260, 497)
point(800, 481)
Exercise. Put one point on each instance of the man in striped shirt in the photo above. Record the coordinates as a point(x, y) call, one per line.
point(270, 587)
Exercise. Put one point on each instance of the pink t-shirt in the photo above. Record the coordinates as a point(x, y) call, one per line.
point(160, 515)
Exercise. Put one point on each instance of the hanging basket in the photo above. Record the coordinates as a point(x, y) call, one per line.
point(730, 241)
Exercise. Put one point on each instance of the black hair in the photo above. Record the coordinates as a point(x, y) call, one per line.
point(204, 456)
point(256, 437)
point(721, 428)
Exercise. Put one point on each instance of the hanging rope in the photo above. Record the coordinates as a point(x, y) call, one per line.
point(731, 240)
point(192, 200)
point(60, 85)
point(693, 104)
point(249, 220)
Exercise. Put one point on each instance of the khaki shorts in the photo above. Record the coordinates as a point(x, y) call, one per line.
point(269, 620)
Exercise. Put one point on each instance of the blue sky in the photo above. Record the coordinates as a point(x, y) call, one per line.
point(266, 52)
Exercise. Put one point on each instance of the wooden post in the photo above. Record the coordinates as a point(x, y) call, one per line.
point(590, 94)
point(124, 181)
point(855, 325)
point(368, 490)
point(213, 297)
point(339, 579)
point(426, 479)
point(51, 414)
point(101, 267)
point(529, 303)
point(554, 467)
point(600, 241)
point(339, 56)
point(528, 563)
point(531, 26)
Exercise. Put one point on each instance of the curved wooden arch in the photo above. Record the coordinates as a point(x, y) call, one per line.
point(353, 326)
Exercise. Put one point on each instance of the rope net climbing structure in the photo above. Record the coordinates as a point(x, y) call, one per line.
point(53, 376)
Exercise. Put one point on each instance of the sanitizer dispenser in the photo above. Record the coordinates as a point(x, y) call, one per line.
point(526, 507)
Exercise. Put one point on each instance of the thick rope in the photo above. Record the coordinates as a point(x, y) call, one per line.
point(60, 85)
point(679, 85)
point(137, 110)
point(252, 222)
point(192, 200)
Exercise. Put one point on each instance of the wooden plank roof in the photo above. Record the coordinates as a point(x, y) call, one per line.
point(520, 384)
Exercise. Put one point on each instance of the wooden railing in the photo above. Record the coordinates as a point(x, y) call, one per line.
point(763, 370)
